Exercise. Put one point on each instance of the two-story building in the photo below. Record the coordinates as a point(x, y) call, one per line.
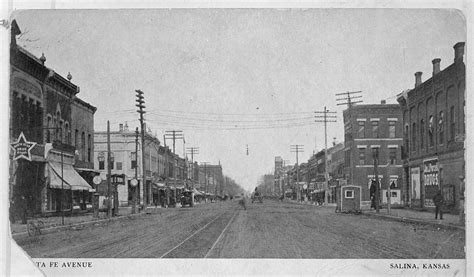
point(434, 133)
point(42, 113)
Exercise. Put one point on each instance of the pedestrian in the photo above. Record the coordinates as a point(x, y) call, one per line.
point(439, 202)
point(372, 195)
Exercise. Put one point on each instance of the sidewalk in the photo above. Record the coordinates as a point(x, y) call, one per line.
point(405, 215)
point(425, 217)
point(56, 221)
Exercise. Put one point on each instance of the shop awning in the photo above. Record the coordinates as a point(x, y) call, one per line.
point(71, 179)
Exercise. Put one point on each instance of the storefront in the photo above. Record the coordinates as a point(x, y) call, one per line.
point(66, 190)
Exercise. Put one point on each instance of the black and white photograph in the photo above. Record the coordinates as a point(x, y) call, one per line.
point(234, 139)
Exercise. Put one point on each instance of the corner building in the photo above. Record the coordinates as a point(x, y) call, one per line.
point(367, 127)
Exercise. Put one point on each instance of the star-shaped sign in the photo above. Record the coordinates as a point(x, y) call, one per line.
point(22, 148)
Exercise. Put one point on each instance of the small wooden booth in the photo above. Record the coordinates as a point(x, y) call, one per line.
point(348, 199)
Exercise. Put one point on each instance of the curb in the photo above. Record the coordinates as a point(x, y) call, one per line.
point(59, 228)
point(413, 220)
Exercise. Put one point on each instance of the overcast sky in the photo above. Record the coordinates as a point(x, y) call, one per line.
point(235, 77)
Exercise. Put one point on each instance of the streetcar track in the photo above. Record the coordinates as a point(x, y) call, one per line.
point(220, 236)
point(191, 236)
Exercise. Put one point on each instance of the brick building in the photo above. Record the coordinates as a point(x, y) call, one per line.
point(42, 108)
point(434, 131)
point(374, 126)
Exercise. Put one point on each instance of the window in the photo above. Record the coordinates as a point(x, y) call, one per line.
point(76, 139)
point(48, 131)
point(349, 194)
point(119, 165)
point(413, 136)
point(431, 131)
point(67, 133)
point(375, 129)
point(361, 156)
point(89, 145)
point(133, 158)
point(60, 131)
point(392, 154)
point(422, 134)
point(101, 165)
point(111, 160)
point(391, 129)
point(361, 130)
point(83, 146)
point(452, 123)
point(441, 128)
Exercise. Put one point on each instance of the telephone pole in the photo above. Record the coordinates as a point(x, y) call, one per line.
point(375, 153)
point(297, 148)
point(109, 169)
point(192, 151)
point(325, 116)
point(174, 135)
point(141, 110)
point(348, 98)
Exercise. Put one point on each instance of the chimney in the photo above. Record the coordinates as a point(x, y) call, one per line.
point(458, 52)
point(120, 127)
point(436, 63)
point(383, 102)
point(418, 78)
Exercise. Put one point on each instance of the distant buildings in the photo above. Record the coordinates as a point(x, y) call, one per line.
point(434, 133)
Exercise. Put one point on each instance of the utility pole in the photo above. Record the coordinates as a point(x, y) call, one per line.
point(193, 151)
point(135, 193)
point(348, 98)
point(174, 135)
point(375, 152)
point(109, 172)
point(325, 116)
point(297, 148)
point(141, 110)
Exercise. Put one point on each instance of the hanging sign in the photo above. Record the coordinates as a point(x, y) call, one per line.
point(22, 148)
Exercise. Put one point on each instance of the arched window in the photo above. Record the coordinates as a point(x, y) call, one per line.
point(83, 146)
point(48, 130)
point(413, 136)
point(60, 131)
point(67, 133)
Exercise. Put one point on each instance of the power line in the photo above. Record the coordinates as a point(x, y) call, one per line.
point(325, 116)
point(348, 98)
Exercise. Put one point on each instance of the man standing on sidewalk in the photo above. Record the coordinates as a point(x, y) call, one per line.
point(439, 202)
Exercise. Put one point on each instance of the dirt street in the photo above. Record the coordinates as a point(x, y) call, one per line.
point(269, 230)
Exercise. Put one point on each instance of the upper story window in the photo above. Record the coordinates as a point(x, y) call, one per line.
point(375, 129)
point(391, 129)
point(413, 136)
point(361, 156)
point(133, 158)
point(422, 133)
point(361, 129)
point(89, 148)
point(452, 123)
point(441, 127)
point(431, 131)
point(392, 155)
